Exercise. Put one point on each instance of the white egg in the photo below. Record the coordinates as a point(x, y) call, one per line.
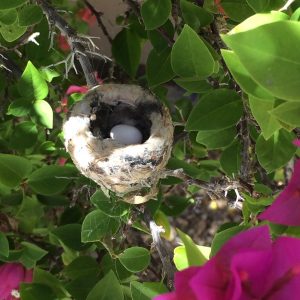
point(126, 134)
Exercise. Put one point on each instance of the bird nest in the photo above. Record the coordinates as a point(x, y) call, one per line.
point(131, 171)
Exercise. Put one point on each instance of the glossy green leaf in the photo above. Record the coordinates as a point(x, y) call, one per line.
point(231, 158)
point(158, 67)
point(223, 236)
point(70, 235)
point(49, 74)
point(82, 266)
point(261, 112)
point(194, 256)
point(31, 253)
point(215, 139)
point(242, 76)
point(237, 10)
point(24, 135)
point(6, 4)
point(194, 85)
point(180, 256)
point(190, 56)
point(8, 16)
point(276, 151)
point(51, 180)
point(272, 65)
point(216, 110)
point(265, 5)
point(13, 169)
point(32, 85)
point(126, 49)
point(194, 15)
point(112, 208)
point(146, 290)
point(288, 113)
point(12, 31)
point(97, 225)
point(36, 291)
point(43, 113)
point(107, 288)
point(4, 246)
point(30, 15)
point(19, 108)
point(155, 13)
point(135, 259)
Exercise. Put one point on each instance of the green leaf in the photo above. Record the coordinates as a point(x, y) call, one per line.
point(51, 180)
point(49, 74)
point(146, 290)
point(43, 113)
point(158, 68)
point(216, 110)
point(31, 254)
point(12, 32)
point(261, 112)
point(111, 208)
point(194, 15)
point(13, 169)
point(4, 246)
point(242, 76)
point(276, 151)
point(194, 256)
point(135, 259)
point(231, 158)
point(82, 266)
point(97, 225)
point(215, 139)
point(265, 5)
point(6, 4)
point(155, 13)
point(32, 85)
point(180, 256)
point(223, 236)
point(288, 113)
point(30, 15)
point(24, 135)
point(126, 49)
point(194, 85)
point(8, 16)
point(46, 278)
point(190, 57)
point(19, 108)
point(237, 10)
point(36, 291)
point(70, 235)
point(107, 288)
point(271, 65)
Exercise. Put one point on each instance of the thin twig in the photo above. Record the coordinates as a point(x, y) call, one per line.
point(77, 47)
point(98, 16)
point(10, 66)
point(168, 267)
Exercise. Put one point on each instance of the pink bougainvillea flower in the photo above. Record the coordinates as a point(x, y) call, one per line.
point(250, 266)
point(285, 209)
point(296, 142)
point(63, 43)
point(86, 15)
point(76, 89)
point(11, 275)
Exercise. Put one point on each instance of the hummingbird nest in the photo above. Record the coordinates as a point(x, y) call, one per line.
point(130, 171)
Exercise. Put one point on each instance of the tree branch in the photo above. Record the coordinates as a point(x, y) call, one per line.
point(10, 66)
point(98, 15)
point(77, 47)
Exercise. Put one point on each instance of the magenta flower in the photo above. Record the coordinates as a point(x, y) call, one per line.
point(11, 275)
point(296, 142)
point(76, 89)
point(250, 266)
point(285, 209)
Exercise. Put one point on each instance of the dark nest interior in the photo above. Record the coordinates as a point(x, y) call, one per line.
point(105, 116)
